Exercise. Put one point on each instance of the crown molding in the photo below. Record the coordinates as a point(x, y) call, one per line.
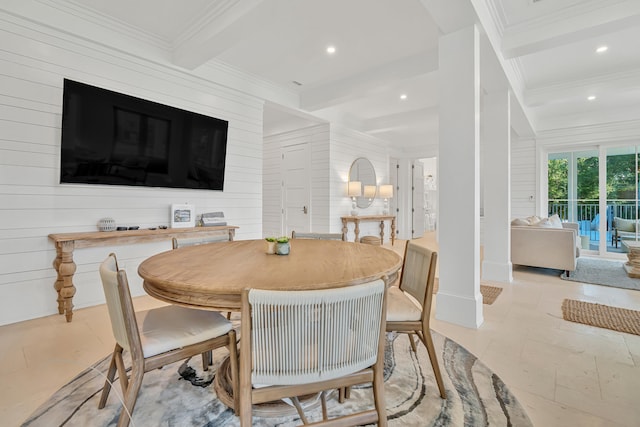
point(77, 10)
point(569, 88)
point(612, 132)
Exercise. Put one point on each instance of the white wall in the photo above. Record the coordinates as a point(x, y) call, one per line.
point(34, 60)
point(346, 146)
point(318, 139)
point(523, 178)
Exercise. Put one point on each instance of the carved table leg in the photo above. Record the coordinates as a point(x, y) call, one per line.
point(344, 230)
point(357, 230)
point(393, 230)
point(382, 232)
point(65, 267)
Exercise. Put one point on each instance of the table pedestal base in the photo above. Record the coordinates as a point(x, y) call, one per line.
point(222, 386)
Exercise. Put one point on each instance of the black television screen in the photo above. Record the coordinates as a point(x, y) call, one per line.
point(112, 138)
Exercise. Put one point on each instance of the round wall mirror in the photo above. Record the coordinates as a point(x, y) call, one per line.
point(362, 170)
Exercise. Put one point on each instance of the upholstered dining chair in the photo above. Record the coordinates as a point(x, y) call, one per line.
point(302, 342)
point(179, 242)
point(166, 335)
point(410, 315)
point(321, 236)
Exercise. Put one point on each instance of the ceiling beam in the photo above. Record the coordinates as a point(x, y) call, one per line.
point(621, 81)
point(574, 23)
point(226, 23)
point(368, 83)
point(399, 120)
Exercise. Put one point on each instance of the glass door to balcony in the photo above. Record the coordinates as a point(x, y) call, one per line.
point(573, 189)
point(622, 196)
point(580, 188)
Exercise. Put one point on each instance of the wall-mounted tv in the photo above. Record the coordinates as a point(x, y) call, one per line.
point(117, 139)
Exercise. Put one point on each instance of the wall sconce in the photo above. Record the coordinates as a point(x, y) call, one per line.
point(370, 192)
point(354, 190)
point(386, 192)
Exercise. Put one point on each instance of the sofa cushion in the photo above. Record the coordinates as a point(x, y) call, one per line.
point(624, 224)
point(520, 221)
point(555, 221)
point(533, 220)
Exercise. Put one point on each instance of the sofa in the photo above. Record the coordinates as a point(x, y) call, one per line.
point(547, 243)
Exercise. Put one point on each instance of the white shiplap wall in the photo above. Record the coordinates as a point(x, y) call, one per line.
point(523, 178)
point(318, 139)
point(34, 61)
point(346, 146)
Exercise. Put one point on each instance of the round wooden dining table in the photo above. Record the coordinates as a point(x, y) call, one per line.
point(213, 276)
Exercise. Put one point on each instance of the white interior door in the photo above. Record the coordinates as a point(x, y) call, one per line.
point(295, 189)
point(417, 197)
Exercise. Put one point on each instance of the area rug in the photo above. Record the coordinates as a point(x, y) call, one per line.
point(489, 293)
point(181, 394)
point(602, 316)
point(602, 272)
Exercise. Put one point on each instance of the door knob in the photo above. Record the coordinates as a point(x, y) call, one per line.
point(304, 209)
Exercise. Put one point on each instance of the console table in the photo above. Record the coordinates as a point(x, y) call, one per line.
point(67, 242)
point(364, 218)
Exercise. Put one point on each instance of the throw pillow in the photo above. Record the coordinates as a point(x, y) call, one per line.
point(520, 221)
point(533, 220)
point(555, 221)
point(625, 224)
point(544, 223)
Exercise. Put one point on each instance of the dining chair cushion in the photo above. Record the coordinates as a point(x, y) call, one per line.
point(400, 307)
point(167, 328)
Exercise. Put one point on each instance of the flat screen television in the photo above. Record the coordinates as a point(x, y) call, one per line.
point(117, 139)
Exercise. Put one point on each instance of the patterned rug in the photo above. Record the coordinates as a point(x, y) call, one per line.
point(181, 394)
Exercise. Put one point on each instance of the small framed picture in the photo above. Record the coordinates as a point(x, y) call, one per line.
point(183, 216)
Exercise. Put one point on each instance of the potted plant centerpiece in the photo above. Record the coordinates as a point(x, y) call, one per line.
point(282, 245)
point(271, 245)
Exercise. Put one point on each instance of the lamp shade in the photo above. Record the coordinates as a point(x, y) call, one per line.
point(386, 191)
point(354, 189)
point(370, 191)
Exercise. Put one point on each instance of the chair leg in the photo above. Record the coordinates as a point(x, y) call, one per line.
point(111, 373)
point(323, 400)
point(207, 360)
point(131, 396)
point(412, 342)
point(378, 397)
point(296, 403)
point(235, 371)
point(428, 342)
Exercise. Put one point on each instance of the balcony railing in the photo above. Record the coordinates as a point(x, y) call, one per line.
point(586, 210)
point(586, 213)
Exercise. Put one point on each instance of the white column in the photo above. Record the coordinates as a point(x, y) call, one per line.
point(459, 300)
point(496, 175)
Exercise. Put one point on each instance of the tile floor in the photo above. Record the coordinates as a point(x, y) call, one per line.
point(564, 374)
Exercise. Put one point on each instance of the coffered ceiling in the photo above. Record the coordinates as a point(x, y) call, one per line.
point(387, 48)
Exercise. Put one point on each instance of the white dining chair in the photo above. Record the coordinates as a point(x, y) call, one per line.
point(409, 305)
point(301, 342)
point(166, 335)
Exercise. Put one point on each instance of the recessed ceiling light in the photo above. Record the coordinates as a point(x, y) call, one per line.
point(331, 49)
point(591, 97)
point(602, 49)
point(403, 96)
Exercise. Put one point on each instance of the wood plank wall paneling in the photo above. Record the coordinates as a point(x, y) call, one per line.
point(346, 146)
point(34, 62)
point(317, 136)
point(523, 178)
